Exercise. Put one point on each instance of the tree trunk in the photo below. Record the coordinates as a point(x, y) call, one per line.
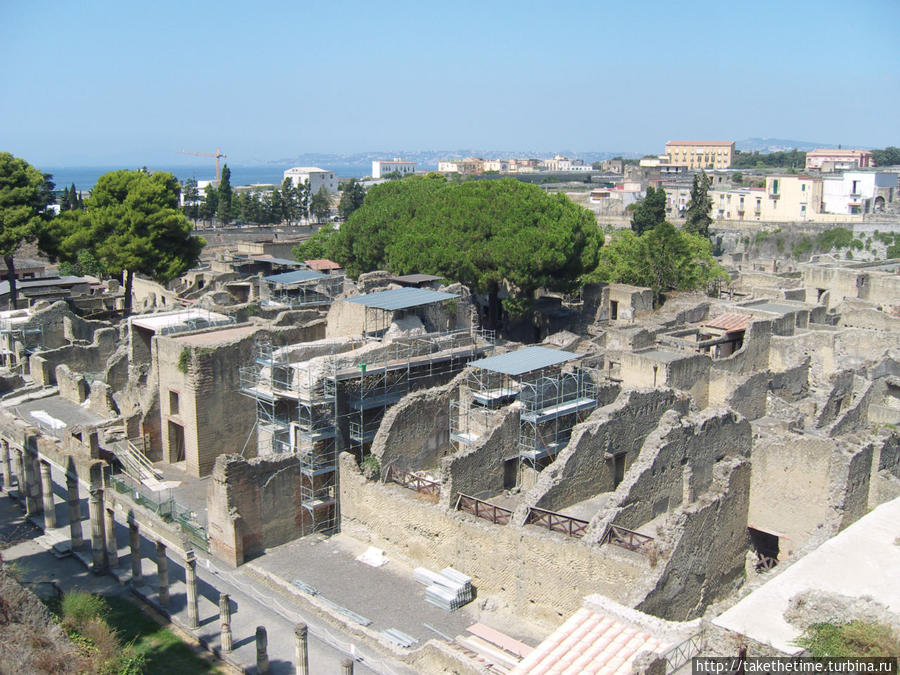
point(493, 311)
point(129, 280)
point(13, 291)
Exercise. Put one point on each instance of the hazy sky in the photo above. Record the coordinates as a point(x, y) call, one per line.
point(95, 82)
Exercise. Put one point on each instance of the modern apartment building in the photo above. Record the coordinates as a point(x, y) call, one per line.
point(700, 154)
point(836, 160)
point(383, 167)
point(318, 178)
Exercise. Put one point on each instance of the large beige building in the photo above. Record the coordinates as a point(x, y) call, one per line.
point(700, 154)
point(827, 159)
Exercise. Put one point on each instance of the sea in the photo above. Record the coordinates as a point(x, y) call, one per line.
point(85, 177)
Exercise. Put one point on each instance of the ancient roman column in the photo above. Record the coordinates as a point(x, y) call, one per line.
point(5, 465)
point(162, 573)
point(47, 495)
point(112, 546)
point(262, 656)
point(98, 530)
point(32, 489)
point(301, 633)
point(75, 532)
point(225, 621)
point(134, 543)
point(190, 580)
point(347, 667)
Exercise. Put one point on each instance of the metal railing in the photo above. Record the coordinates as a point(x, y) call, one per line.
point(683, 652)
point(413, 482)
point(159, 502)
point(482, 509)
point(557, 522)
point(621, 536)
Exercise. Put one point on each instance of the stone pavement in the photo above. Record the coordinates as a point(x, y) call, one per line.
point(252, 603)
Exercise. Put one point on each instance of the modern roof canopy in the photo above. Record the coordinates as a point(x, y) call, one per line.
point(401, 298)
point(294, 277)
point(525, 360)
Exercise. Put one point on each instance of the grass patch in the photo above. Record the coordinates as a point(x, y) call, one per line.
point(164, 651)
point(856, 638)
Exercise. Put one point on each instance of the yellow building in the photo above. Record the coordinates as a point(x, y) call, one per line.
point(784, 199)
point(700, 154)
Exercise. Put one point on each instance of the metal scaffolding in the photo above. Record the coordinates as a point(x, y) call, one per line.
point(303, 288)
point(316, 412)
point(557, 390)
point(403, 365)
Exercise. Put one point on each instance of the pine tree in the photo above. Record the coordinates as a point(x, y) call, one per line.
point(697, 218)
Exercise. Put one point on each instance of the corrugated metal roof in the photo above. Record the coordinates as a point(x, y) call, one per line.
point(416, 278)
point(525, 360)
point(293, 277)
point(401, 298)
point(730, 323)
point(278, 261)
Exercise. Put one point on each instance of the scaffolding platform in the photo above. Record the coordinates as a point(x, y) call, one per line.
point(554, 411)
point(378, 401)
point(488, 398)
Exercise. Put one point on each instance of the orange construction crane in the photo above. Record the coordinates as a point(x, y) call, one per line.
point(218, 155)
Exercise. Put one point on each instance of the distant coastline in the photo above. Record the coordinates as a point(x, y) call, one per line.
point(85, 177)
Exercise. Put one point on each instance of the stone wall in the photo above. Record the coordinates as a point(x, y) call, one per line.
point(82, 358)
point(216, 418)
point(253, 505)
point(478, 469)
point(528, 570)
point(585, 468)
point(709, 546)
point(676, 464)
point(805, 488)
point(415, 433)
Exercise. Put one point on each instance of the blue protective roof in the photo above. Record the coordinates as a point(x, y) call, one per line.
point(293, 277)
point(401, 298)
point(525, 360)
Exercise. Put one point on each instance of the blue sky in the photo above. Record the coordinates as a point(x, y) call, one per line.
point(95, 82)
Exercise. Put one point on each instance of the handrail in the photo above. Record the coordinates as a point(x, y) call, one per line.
point(556, 522)
point(683, 652)
point(482, 509)
point(413, 482)
point(622, 536)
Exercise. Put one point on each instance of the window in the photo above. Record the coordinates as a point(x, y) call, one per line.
point(173, 402)
point(775, 186)
point(803, 187)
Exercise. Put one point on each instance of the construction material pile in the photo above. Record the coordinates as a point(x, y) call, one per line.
point(447, 589)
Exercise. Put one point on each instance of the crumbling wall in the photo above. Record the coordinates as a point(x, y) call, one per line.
point(81, 358)
point(415, 433)
point(252, 505)
point(805, 488)
point(584, 468)
point(477, 470)
point(527, 570)
point(791, 384)
point(676, 464)
point(753, 355)
point(708, 543)
point(744, 393)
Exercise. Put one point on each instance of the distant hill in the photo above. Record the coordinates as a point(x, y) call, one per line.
point(778, 145)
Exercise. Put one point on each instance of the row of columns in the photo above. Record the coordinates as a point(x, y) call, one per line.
point(34, 482)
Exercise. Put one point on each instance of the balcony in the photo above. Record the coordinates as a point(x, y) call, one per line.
point(774, 195)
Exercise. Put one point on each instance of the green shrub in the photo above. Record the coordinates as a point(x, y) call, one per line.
point(184, 360)
point(856, 638)
point(371, 466)
point(80, 608)
point(837, 237)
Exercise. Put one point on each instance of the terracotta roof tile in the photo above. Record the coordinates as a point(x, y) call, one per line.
point(730, 323)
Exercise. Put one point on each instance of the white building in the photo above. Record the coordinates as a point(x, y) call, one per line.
point(383, 167)
point(318, 178)
point(855, 192)
point(561, 163)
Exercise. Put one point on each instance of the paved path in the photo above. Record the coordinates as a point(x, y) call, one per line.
point(254, 604)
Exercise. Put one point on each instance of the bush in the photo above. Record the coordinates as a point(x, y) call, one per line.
point(79, 608)
point(856, 638)
point(371, 467)
point(184, 360)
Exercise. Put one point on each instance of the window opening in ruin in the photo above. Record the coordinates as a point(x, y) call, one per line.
point(173, 403)
point(618, 468)
point(765, 545)
point(613, 310)
point(176, 442)
point(819, 293)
